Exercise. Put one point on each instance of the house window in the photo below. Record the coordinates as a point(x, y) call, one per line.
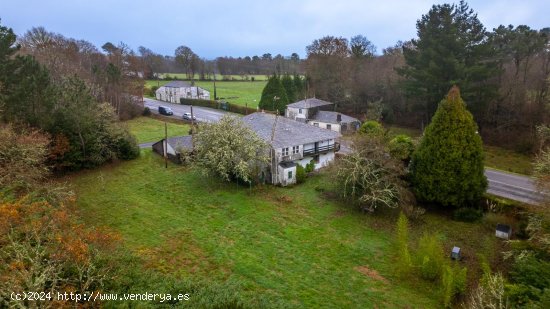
point(285, 151)
point(289, 174)
point(329, 126)
point(299, 111)
point(315, 124)
point(295, 149)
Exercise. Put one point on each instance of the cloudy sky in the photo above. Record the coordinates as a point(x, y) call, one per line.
point(240, 28)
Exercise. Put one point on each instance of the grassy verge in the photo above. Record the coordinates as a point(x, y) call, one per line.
point(495, 157)
point(284, 243)
point(147, 129)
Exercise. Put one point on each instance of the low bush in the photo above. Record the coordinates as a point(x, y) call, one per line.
point(372, 127)
point(310, 167)
point(300, 174)
point(401, 147)
point(466, 214)
point(453, 281)
point(430, 257)
point(146, 112)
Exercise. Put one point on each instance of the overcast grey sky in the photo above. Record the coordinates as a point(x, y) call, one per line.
point(241, 28)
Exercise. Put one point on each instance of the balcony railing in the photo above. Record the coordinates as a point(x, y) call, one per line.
point(322, 149)
point(291, 157)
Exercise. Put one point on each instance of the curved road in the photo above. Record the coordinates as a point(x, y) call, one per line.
point(511, 186)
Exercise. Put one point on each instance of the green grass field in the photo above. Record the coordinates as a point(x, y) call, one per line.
point(257, 77)
point(495, 157)
point(286, 243)
point(235, 92)
point(147, 129)
point(292, 244)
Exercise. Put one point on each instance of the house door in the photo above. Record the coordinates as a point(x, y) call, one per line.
point(316, 147)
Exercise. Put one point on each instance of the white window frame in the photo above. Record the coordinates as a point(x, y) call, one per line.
point(285, 151)
point(295, 149)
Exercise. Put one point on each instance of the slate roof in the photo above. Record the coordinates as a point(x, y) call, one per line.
point(287, 131)
point(178, 84)
point(181, 142)
point(309, 103)
point(330, 117)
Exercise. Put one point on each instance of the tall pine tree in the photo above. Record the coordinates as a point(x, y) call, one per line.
point(274, 96)
point(451, 49)
point(447, 168)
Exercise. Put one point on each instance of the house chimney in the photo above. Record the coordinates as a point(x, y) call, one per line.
point(338, 117)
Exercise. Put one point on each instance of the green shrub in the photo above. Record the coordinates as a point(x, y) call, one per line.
point(401, 147)
point(466, 214)
point(453, 281)
point(153, 91)
point(402, 234)
point(127, 147)
point(146, 111)
point(310, 167)
point(430, 257)
point(372, 127)
point(531, 271)
point(300, 174)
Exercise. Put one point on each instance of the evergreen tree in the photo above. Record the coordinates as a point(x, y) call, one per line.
point(299, 85)
point(290, 88)
point(274, 96)
point(451, 49)
point(447, 167)
point(404, 262)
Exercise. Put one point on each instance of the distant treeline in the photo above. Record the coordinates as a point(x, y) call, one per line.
point(187, 62)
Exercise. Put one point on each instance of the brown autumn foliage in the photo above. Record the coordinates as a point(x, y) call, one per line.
point(44, 249)
point(22, 156)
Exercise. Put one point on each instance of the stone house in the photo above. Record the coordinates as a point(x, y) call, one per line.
point(174, 90)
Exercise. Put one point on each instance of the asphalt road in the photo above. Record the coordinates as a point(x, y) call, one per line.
point(203, 114)
point(511, 186)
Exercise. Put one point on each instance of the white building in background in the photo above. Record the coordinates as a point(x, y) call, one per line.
point(320, 113)
point(173, 91)
point(292, 142)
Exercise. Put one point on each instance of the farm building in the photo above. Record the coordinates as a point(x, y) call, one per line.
point(320, 113)
point(174, 147)
point(175, 90)
point(291, 143)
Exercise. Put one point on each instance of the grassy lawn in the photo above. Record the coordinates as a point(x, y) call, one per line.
point(495, 157)
point(151, 130)
point(257, 77)
point(236, 92)
point(285, 243)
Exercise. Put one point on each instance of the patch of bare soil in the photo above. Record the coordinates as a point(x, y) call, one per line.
point(371, 273)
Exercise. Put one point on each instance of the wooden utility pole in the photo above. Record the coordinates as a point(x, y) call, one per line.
point(165, 145)
point(272, 152)
point(215, 95)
